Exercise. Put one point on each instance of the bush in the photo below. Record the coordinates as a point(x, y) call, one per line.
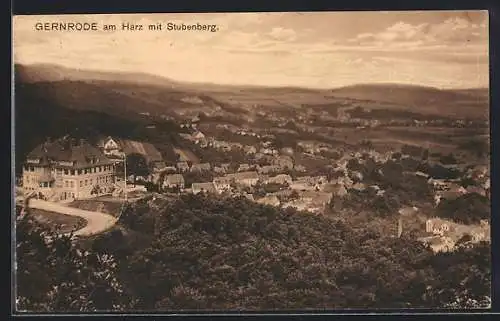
point(467, 209)
point(54, 275)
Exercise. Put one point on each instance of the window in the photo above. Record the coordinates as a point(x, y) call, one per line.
point(66, 172)
point(86, 182)
point(81, 183)
point(65, 183)
point(72, 172)
point(72, 184)
point(100, 169)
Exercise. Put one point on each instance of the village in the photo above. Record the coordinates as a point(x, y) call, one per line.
point(64, 170)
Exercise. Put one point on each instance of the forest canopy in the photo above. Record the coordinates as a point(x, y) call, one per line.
point(197, 252)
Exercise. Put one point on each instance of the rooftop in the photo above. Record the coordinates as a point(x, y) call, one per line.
point(208, 187)
point(76, 154)
point(244, 175)
point(175, 178)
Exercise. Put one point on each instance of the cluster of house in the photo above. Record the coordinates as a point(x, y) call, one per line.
point(66, 168)
point(448, 189)
point(197, 137)
point(451, 189)
point(310, 193)
point(343, 116)
point(445, 234)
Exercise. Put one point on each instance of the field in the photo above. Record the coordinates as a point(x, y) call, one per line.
point(158, 95)
point(442, 140)
point(60, 222)
point(104, 204)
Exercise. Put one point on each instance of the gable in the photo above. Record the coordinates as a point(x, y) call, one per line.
point(110, 144)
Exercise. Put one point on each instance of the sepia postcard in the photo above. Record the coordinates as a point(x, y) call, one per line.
point(252, 162)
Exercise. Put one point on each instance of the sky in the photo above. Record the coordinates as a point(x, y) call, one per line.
point(444, 49)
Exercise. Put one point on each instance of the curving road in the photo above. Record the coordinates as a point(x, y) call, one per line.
point(97, 222)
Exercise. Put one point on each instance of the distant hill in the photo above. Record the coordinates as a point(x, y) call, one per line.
point(54, 73)
point(472, 103)
point(161, 94)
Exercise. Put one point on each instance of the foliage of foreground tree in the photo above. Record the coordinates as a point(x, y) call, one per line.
point(233, 254)
point(201, 253)
point(53, 275)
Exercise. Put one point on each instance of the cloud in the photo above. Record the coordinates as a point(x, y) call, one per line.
point(459, 30)
point(453, 31)
point(282, 34)
point(272, 49)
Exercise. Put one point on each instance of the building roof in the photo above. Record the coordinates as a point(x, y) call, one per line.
point(148, 150)
point(222, 180)
point(207, 187)
point(358, 186)
point(436, 221)
point(316, 197)
point(268, 168)
point(283, 158)
point(433, 240)
point(280, 177)
point(201, 166)
point(174, 179)
point(77, 154)
point(244, 175)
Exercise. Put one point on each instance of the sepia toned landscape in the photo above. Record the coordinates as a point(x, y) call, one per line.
point(278, 163)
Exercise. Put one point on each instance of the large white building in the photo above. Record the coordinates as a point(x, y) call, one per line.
point(67, 169)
